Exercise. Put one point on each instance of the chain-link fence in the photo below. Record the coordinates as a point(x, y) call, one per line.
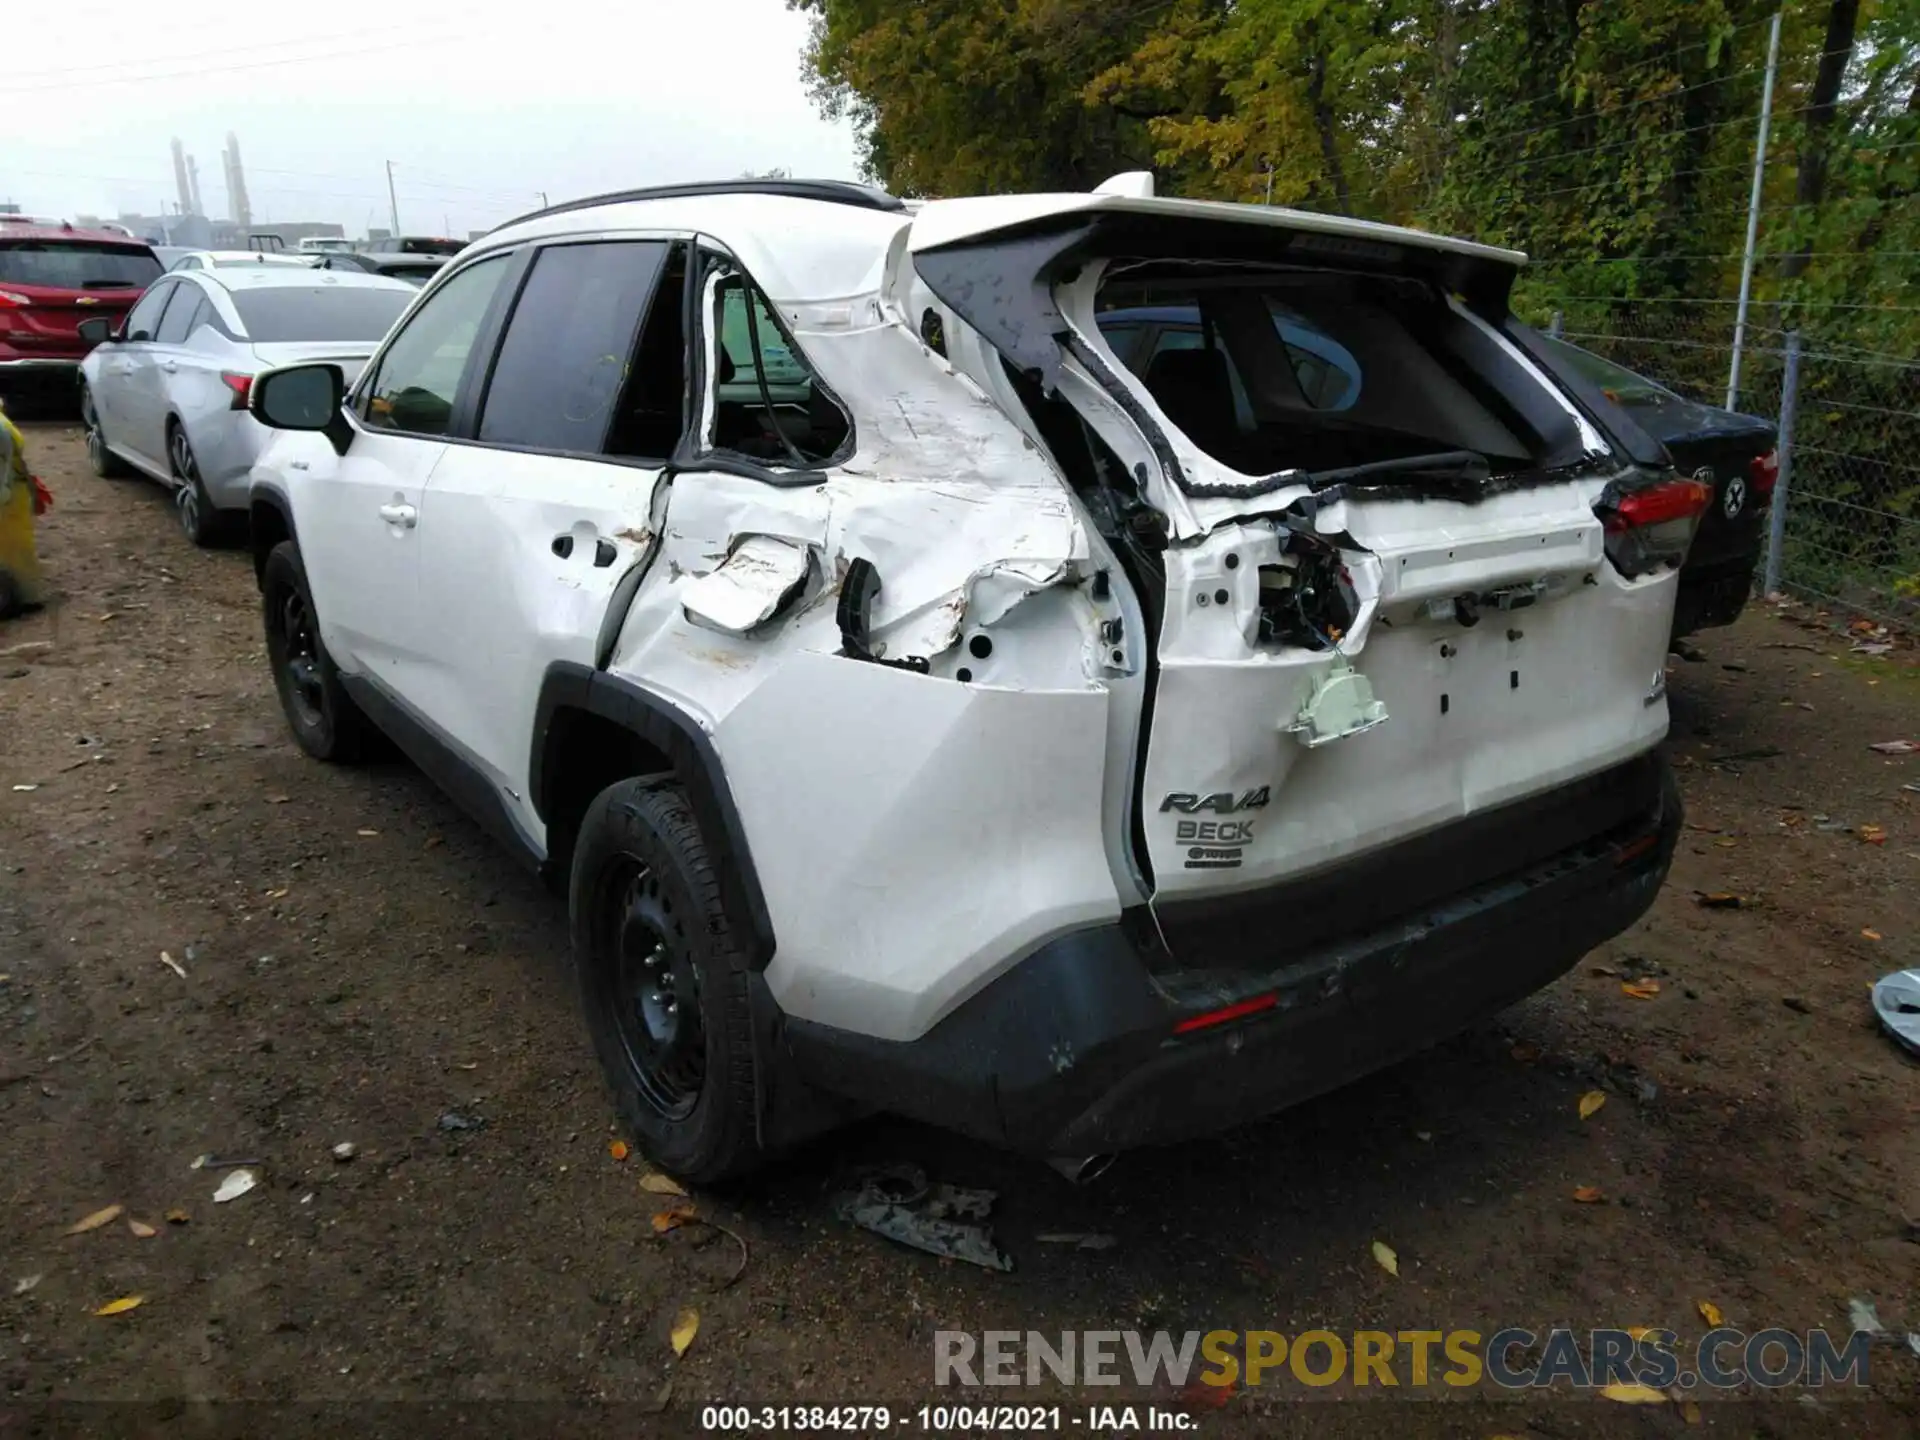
point(1848, 415)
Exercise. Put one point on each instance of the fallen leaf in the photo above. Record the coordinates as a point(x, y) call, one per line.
point(279, 894)
point(1588, 1194)
point(366, 832)
point(1721, 900)
point(173, 964)
point(1641, 989)
point(684, 1329)
point(1690, 1412)
point(1389, 1261)
point(1885, 747)
point(25, 1283)
point(1726, 842)
point(654, 1183)
point(178, 1217)
point(618, 1149)
point(1198, 1395)
point(1710, 1313)
point(142, 1229)
point(122, 1305)
point(1525, 1054)
point(278, 799)
point(95, 1220)
point(1628, 1393)
point(1873, 834)
point(1870, 934)
point(673, 1219)
point(1591, 1103)
point(1640, 1332)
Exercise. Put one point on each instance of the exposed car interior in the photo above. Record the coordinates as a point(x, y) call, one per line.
point(1268, 369)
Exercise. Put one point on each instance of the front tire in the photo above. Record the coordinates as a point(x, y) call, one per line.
point(106, 464)
point(322, 716)
point(663, 982)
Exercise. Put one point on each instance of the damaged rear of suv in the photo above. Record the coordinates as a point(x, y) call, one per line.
point(1083, 670)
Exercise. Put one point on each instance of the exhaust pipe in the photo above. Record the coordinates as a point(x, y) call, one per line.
point(1081, 1169)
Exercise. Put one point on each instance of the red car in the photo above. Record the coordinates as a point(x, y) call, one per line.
point(51, 278)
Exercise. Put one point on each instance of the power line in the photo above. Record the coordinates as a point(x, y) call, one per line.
point(353, 53)
point(42, 72)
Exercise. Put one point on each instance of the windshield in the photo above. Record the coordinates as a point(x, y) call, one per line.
point(77, 265)
point(323, 312)
point(1618, 383)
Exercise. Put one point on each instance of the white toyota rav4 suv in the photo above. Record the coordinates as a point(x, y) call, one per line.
point(1081, 669)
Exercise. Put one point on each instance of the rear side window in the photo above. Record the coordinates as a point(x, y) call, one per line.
point(565, 360)
point(321, 312)
point(183, 313)
point(80, 265)
point(144, 318)
point(768, 405)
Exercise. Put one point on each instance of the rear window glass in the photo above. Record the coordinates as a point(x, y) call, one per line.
point(1345, 370)
point(420, 245)
point(324, 312)
point(1618, 383)
point(77, 265)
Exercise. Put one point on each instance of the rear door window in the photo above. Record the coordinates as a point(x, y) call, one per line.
point(182, 311)
point(76, 265)
point(144, 318)
point(565, 360)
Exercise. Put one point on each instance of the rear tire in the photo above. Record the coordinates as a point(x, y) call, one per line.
point(199, 521)
point(106, 464)
point(663, 982)
point(322, 716)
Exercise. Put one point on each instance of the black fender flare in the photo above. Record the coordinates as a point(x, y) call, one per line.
point(273, 498)
point(671, 731)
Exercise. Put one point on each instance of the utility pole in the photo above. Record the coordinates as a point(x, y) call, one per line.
point(1753, 211)
point(394, 205)
point(543, 199)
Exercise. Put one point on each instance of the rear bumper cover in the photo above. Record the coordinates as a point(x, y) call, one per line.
point(1074, 1050)
point(1713, 594)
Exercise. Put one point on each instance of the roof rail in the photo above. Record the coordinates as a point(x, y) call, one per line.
point(834, 192)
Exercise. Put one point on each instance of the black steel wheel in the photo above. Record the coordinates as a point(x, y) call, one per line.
point(322, 716)
point(662, 982)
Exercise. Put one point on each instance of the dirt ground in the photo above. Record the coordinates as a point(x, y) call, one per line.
point(360, 962)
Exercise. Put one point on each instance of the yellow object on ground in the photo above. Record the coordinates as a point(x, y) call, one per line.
point(21, 583)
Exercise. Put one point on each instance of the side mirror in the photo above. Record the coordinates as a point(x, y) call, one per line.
point(302, 397)
point(96, 330)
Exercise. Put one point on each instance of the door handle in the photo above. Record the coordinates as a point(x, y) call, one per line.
point(402, 515)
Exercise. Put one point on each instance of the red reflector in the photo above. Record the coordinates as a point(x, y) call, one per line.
point(1227, 1012)
point(1634, 848)
point(239, 385)
point(1763, 471)
point(1674, 500)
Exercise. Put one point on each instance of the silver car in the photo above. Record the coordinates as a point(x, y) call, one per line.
point(166, 394)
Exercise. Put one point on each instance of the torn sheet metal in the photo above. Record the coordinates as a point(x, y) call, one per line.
point(758, 579)
point(1896, 1000)
point(897, 1202)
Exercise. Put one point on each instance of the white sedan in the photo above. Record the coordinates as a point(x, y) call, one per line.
point(166, 394)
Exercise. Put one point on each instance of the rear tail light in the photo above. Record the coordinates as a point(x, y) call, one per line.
point(240, 385)
point(1653, 526)
point(14, 297)
point(1763, 471)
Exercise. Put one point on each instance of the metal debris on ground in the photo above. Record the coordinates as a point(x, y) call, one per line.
point(1884, 747)
point(453, 1120)
point(1079, 1241)
point(1896, 1000)
point(220, 1162)
point(896, 1201)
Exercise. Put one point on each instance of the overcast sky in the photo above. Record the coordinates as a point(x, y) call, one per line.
point(478, 112)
